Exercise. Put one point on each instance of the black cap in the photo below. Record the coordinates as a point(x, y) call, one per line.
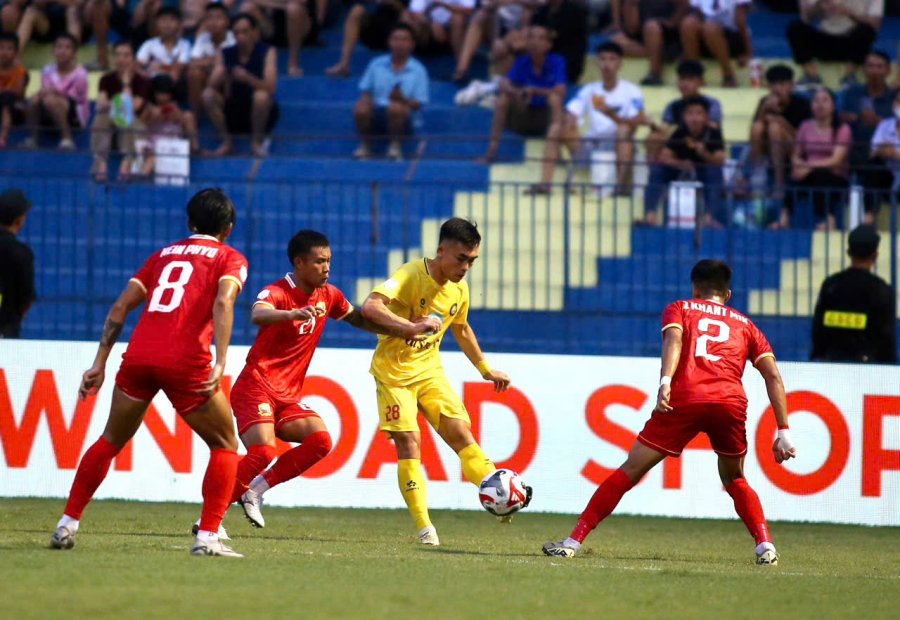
point(13, 204)
point(690, 68)
point(863, 241)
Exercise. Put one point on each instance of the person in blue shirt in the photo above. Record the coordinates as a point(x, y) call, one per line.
point(531, 95)
point(393, 90)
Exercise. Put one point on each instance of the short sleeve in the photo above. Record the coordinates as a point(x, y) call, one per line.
point(579, 105)
point(234, 267)
point(105, 85)
point(672, 316)
point(47, 76)
point(716, 142)
point(144, 276)
point(340, 306)
point(420, 90)
point(145, 52)
point(882, 135)
point(367, 83)
point(676, 140)
point(759, 346)
point(273, 297)
point(715, 110)
point(397, 286)
point(844, 136)
point(559, 70)
point(515, 74)
point(668, 115)
point(462, 315)
point(184, 53)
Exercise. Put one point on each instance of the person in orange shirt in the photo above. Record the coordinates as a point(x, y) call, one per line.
point(13, 80)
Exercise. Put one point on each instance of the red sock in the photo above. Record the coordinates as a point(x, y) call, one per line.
point(297, 460)
point(746, 504)
point(91, 472)
point(256, 460)
point(604, 501)
point(218, 484)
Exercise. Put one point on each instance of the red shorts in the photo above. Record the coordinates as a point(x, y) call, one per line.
point(180, 385)
point(724, 424)
point(253, 402)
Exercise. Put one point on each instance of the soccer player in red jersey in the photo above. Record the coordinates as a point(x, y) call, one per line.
point(705, 348)
point(267, 396)
point(190, 287)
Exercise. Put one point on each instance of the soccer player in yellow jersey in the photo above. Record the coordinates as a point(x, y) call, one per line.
point(408, 373)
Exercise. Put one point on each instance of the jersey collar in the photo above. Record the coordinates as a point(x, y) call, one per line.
point(290, 280)
point(207, 237)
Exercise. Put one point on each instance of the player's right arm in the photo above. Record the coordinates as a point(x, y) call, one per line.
point(375, 311)
point(130, 298)
point(671, 353)
point(783, 448)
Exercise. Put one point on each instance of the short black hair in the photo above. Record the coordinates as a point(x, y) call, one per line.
point(405, 27)
point(880, 54)
point(216, 6)
point(13, 205)
point(210, 211)
point(65, 36)
point(612, 47)
point(246, 17)
point(124, 43)
point(12, 37)
point(699, 100)
point(162, 83)
point(711, 276)
point(690, 69)
point(461, 230)
point(171, 11)
point(304, 241)
point(779, 73)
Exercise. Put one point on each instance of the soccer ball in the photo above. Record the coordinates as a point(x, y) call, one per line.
point(502, 492)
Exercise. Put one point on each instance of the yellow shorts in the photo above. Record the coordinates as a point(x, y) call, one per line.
point(398, 406)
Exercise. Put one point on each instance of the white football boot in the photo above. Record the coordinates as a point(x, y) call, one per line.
point(252, 502)
point(428, 536)
point(766, 555)
point(63, 538)
point(223, 535)
point(559, 549)
point(213, 547)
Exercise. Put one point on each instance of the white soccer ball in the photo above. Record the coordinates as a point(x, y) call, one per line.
point(502, 492)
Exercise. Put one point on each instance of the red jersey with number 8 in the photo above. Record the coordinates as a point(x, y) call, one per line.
point(181, 282)
point(716, 342)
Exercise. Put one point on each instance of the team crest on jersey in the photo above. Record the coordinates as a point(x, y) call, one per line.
point(321, 307)
point(264, 410)
point(422, 302)
point(453, 309)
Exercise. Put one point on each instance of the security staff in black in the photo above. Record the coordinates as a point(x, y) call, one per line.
point(856, 313)
point(16, 264)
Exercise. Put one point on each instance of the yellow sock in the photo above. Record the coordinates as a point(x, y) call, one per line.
point(475, 463)
point(412, 486)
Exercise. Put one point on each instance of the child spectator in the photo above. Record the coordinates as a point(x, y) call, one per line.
point(62, 103)
point(13, 80)
point(168, 53)
point(164, 119)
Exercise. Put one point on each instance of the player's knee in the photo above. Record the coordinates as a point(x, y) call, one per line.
point(264, 452)
point(319, 443)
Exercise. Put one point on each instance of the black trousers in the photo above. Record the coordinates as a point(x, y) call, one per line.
point(829, 192)
point(808, 43)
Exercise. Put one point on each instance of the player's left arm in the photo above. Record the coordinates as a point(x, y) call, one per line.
point(468, 343)
point(671, 353)
point(223, 321)
point(355, 318)
point(129, 299)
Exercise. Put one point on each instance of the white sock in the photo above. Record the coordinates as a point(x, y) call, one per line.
point(259, 485)
point(763, 547)
point(571, 543)
point(68, 522)
point(207, 537)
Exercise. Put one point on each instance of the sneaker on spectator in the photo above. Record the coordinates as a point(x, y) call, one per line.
point(362, 152)
point(29, 143)
point(652, 80)
point(395, 151)
point(66, 144)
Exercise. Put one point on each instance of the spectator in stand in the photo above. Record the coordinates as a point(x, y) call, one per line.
point(167, 53)
point(62, 102)
point(393, 90)
point(370, 21)
point(863, 107)
point(240, 96)
point(120, 100)
point(614, 109)
point(881, 177)
point(855, 318)
point(568, 18)
point(649, 29)
point(690, 80)
point(696, 151)
point(775, 124)
point(162, 118)
point(17, 291)
point(532, 95)
point(46, 19)
point(834, 30)
point(215, 36)
point(491, 23)
point(439, 24)
point(131, 20)
point(286, 21)
point(718, 29)
point(13, 81)
point(820, 162)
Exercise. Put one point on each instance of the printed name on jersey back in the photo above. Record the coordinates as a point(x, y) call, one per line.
point(715, 310)
point(192, 249)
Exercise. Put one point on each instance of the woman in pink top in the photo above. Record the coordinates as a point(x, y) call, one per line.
point(62, 103)
point(820, 162)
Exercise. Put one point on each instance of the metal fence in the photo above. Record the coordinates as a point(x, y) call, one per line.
point(570, 271)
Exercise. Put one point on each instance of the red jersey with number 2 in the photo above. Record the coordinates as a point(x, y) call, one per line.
point(182, 281)
point(716, 342)
point(281, 354)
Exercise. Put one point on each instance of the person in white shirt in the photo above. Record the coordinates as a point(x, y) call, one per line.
point(216, 34)
point(718, 29)
point(612, 109)
point(439, 23)
point(834, 30)
point(166, 53)
point(882, 177)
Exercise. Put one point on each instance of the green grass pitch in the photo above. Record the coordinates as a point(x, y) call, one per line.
point(131, 561)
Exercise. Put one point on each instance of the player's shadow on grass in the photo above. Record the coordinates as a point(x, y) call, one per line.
point(448, 551)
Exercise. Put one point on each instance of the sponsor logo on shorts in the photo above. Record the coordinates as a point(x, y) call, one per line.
point(264, 410)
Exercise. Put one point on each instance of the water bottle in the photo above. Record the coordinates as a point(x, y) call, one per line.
point(123, 110)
